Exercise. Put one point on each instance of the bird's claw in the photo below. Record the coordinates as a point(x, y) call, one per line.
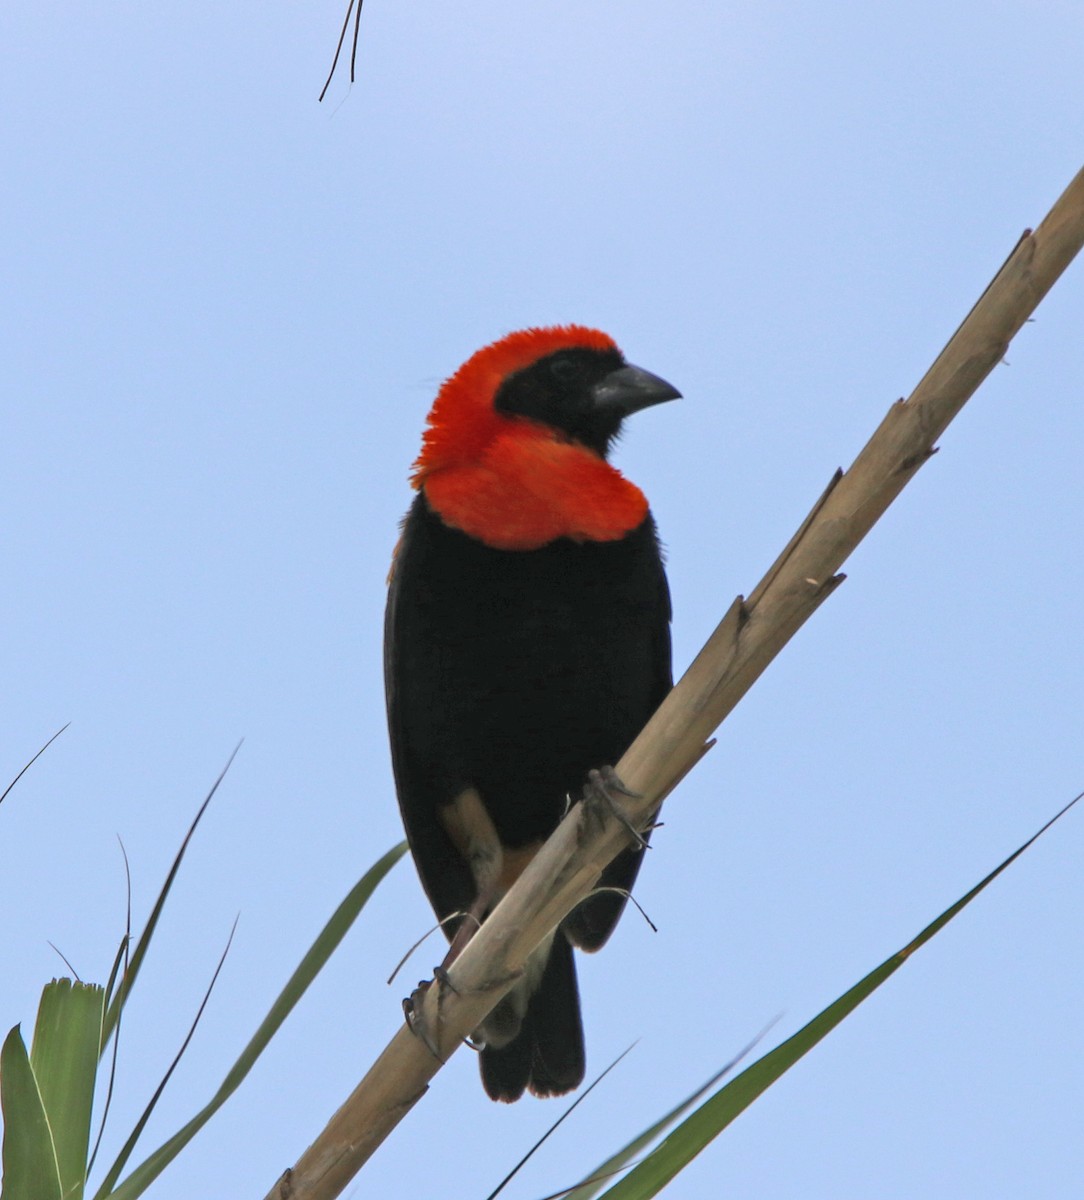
point(606, 779)
point(604, 786)
point(413, 1009)
point(441, 976)
point(416, 1020)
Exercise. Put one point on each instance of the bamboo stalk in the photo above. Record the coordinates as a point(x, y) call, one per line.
point(749, 636)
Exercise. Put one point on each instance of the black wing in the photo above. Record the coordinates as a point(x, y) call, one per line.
point(421, 725)
point(591, 923)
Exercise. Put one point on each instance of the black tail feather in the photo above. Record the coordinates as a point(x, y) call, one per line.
point(547, 1055)
point(592, 921)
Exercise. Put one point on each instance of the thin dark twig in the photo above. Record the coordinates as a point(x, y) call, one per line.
point(339, 47)
point(3, 796)
point(354, 48)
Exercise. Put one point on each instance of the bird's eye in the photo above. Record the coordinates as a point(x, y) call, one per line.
point(564, 370)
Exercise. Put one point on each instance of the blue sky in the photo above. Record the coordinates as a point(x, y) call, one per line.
point(228, 309)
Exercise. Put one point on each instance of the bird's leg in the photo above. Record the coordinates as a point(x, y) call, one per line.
point(468, 927)
point(495, 869)
point(603, 789)
point(471, 830)
point(474, 836)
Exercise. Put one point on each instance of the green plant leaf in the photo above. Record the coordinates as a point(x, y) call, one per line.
point(30, 1166)
point(605, 1171)
point(695, 1132)
point(555, 1125)
point(64, 1060)
point(320, 951)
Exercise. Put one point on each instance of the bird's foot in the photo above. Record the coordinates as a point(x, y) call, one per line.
point(416, 1020)
point(605, 790)
point(443, 980)
point(414, 1007)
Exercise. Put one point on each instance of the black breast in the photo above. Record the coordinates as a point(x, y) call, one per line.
point(516, 672)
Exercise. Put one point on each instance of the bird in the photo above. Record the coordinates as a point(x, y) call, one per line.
point(527, 642)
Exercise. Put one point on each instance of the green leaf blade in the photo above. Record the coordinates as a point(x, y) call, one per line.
point(321, 950)
point(712, 1117)
point(30, 1165)
point(64, 1060)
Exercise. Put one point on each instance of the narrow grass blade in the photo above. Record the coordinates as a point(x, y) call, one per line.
point(4, 794)
point(120, 959)
point(553, 1128)
point(684, 1143)
point(30, 1166)
point(121, 1161)
point(605, 1171)
point(131, 971)
point(64, 1059)
point(320, 951)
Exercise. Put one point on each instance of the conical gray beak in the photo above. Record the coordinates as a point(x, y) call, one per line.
point(629, 389)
